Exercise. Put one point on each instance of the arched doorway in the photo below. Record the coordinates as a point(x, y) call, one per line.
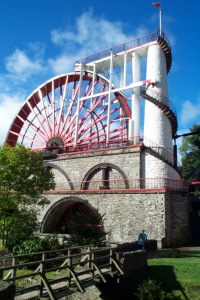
point(58, 216)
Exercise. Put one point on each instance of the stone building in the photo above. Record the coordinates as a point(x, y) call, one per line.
point(87, 124)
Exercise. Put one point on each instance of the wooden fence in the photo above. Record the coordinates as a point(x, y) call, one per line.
point(41, 274)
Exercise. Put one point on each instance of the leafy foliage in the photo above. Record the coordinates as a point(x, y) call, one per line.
point(190, 151)
point(18, 226)
point(36, 244)
point(22, 180)
point(86, 228)
point(152, 290)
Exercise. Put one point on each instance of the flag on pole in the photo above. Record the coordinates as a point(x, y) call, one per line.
point(159, 8)
point(157, 4)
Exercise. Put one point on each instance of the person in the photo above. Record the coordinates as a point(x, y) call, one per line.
point(142, 239)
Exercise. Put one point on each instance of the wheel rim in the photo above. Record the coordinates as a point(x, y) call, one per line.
point(48, 116)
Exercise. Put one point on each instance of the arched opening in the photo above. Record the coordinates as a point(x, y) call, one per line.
point(105, 176)
point(61, 178)
point(62, 225)
point(61, 213)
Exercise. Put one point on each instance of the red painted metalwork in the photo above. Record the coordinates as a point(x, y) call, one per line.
point(194, 186)
point(119, 185)
point(48, 116)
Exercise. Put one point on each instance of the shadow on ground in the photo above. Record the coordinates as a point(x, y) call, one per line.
point(113, 291)
point(167, 279)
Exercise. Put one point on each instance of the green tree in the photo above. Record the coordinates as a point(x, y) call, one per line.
point(86, 228)
point(22, 181)
point(190, 151)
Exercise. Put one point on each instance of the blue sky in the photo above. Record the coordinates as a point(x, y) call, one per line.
point(43, 38)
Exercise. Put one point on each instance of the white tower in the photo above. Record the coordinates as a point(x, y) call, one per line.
point(158, 131)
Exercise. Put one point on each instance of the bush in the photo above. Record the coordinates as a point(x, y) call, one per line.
point(152, 290)
point(36, 244)
point(86, 228)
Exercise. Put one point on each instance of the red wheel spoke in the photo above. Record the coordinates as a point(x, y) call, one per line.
point(61, 115)
point(49, 116)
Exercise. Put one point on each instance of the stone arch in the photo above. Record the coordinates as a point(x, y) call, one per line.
point(53, 166)
point(62, 211)
point(105, 168)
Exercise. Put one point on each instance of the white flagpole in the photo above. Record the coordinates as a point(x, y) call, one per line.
point(158, 4)
point(160, 21)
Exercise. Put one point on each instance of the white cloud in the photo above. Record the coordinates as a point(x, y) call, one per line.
point(21, 66)
point(189, 115)
point(37, 49)
point(90, 32)
point(190, 112)
point(62, 64)
point(87, 36)
point(9, 106)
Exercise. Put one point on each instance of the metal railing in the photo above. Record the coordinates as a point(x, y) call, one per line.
point(119, 184)
point(125, 46)
point(160, 98)
point(99, 145)
point(136, 141)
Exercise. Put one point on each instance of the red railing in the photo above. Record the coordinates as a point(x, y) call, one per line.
point(163, 153)
point(128, 184)
point(99, 145)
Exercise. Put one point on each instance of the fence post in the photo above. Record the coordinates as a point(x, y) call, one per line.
point(111, 255)
point(70, 265)
point(89, 257)
point(42, 268)
point(92, 263)
point(14, 261)
point(1, 274)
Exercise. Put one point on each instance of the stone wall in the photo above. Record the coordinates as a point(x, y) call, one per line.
point(163, 215)
point(76, 166)
point(134, 265)
point(7, 290)
point(180, 223)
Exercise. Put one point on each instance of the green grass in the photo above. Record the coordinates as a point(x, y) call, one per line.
point(179, 275)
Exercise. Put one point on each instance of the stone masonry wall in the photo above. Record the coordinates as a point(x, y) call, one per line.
point(180, 223)
point(77, 166)
point(163, 216)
